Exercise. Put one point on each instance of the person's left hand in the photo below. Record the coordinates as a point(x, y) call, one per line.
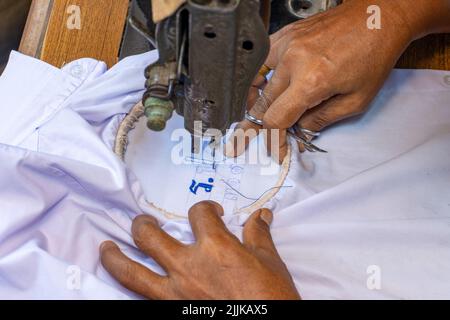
point(217, 266)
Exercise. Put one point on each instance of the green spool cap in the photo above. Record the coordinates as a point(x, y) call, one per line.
point(158, 112)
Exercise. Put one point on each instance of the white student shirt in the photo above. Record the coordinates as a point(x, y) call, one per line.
point(370, 219)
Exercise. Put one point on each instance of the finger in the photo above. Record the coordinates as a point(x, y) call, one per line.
point(276, 143)
point(256, 234)
point(295, 28)
point(253, 95)
point(239, 141)
point(280, 33)
point(246, 130)
point(155, 242)
point(276, 133)
point(279, 42)
point(331, 111)
point(272, 59)
point(276, 44)
point(261, 80)
point(131, 274)
point(285, 111)
point(206, 220)
point(274, 88)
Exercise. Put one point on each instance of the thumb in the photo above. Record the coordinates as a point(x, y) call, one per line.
point(256, 234)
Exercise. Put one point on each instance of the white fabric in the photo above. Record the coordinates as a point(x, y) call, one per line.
point(241, 185)
point(379, 200)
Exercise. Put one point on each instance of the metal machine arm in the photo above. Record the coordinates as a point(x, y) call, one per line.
point(209, 53)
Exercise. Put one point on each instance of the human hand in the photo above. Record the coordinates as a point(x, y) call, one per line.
point(329, 67)
point(217, 266)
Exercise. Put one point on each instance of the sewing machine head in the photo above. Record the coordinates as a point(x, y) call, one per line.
point(209, 53)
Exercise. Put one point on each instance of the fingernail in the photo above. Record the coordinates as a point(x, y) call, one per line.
point(218, 208)
point(266, 216)
point(145, 218)
point(301, 147)
point(207, 206)
point(106, 245)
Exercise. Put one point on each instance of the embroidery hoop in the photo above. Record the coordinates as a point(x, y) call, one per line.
point(120, 149)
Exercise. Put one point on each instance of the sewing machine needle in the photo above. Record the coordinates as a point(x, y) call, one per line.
point(213, 146)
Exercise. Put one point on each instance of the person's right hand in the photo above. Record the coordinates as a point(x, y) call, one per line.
point(329, 67)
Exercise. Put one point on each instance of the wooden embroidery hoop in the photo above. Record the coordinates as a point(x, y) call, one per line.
point(120, 149)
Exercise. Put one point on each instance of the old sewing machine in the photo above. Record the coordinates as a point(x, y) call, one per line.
point(209, 53)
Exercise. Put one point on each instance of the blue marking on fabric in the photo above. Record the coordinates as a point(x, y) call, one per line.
point(208, 187)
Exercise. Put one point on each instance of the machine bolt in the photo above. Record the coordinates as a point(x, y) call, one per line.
point(158, 112)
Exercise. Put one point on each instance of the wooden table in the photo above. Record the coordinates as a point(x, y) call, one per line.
point(432, 52)
point(47, 37)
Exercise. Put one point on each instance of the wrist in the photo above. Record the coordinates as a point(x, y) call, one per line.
point(421, 17)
